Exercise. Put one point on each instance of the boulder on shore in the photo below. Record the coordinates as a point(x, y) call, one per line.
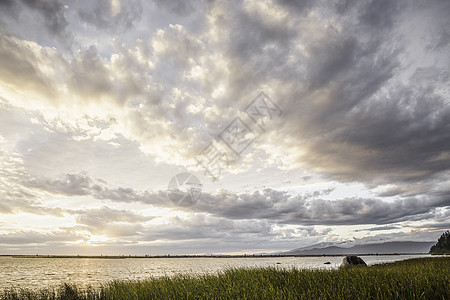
point(353, 261)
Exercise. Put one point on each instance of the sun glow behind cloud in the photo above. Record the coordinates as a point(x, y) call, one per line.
point(102, 103)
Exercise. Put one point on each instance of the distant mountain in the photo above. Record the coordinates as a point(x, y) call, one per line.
point(382, 248)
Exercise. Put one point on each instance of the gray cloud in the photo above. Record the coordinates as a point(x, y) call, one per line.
point(112, 222)
point(200, 227)
point(82, 184)
point(9, 7)
point(299, 7)
point(13, 203)
point(19, 68)
point(33, 237)
point(70, 184)
point(342, 98)
point(379, 228)
point(89, 75)
point(28, 18)
point(53, 15)
point(358, 121)
point(280, 207)
point(179, 8)
point(379, 14)
point(6, 2)
point(14, 197)
point(277, 206)
point(102, 15)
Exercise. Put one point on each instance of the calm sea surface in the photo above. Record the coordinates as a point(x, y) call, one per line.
point(40, 272)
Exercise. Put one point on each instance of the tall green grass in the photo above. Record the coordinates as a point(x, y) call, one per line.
point(421, 278)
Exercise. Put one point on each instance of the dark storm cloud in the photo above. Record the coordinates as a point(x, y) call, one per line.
point(8, 7)
point(306, 210)
point(267, 50)
point(6, 2)
point(342, 97)
point(357, 121)
point(413, 129)
point(402, 140)
point(257, 50)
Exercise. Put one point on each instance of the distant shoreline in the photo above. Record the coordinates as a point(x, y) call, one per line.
point(198, 256)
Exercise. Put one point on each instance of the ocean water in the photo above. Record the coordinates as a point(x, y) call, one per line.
point(48, 272)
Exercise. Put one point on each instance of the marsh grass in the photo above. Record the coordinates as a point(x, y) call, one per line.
point(420, 278)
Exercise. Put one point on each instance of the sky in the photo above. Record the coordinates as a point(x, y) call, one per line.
point(199, 127)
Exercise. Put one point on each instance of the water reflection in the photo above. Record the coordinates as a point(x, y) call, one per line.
point(40, 272)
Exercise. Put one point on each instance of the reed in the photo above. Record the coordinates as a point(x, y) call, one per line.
point(420, 278)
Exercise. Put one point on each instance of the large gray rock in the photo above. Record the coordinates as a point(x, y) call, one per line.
point(353, 261)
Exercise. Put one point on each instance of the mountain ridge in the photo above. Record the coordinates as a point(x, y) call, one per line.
point(400, 247)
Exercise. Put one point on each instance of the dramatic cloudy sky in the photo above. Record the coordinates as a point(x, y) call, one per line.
point(103, 102)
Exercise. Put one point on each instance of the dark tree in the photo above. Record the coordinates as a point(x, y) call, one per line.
point(443, 244)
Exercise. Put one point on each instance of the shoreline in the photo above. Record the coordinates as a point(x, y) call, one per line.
point(197, 256)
